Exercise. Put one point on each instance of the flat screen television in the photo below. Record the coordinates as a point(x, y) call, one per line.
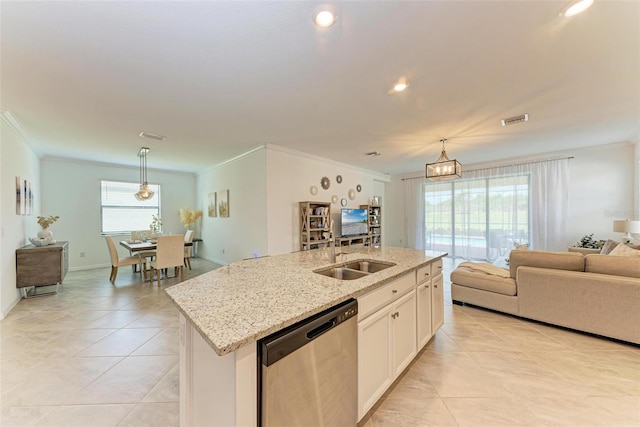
point(354, 222)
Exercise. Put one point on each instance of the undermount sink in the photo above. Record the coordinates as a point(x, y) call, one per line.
point(341, 273)
point(355, 269)
point(369, 266)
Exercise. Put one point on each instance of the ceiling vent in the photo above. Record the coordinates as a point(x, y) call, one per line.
point(152, 136)
point(515, 120)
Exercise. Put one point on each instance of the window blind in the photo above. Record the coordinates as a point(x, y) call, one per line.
point(121, 212)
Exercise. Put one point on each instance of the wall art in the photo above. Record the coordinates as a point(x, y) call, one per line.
point(223, 203)
point(212, 209)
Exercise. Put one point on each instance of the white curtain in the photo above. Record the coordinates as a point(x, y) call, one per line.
point(413, 199)
point(488, 211)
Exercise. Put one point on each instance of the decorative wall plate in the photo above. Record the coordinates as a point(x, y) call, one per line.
point(313, 190)
point(359, 188)
point(334, 199)
point(339, 179)
point(352, 194)
point(325, 183)
point(343, 202)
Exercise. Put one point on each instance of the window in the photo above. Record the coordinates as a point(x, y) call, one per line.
point(121, 212)
point(477, 218)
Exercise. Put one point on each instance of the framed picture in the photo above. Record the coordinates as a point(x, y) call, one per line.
point(18, 196)
point(223, 203)
point(212, 206)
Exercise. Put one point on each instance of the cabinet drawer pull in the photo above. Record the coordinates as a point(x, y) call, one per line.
point(395, 291)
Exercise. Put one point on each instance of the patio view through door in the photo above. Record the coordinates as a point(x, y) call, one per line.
point(478, 219)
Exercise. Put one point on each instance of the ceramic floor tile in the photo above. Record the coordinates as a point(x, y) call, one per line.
point(116, 319)
point(127, 382)
point(69, 344)
point(166, 342)
point(85, 415)
point(153, 415)
point(120, 343)
point(413, 412)
point(490, 412)
point(22, 416)
point(167, 389)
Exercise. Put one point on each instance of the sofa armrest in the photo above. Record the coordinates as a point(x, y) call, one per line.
point(613, 265)
point(597, 303)
point(573, 261)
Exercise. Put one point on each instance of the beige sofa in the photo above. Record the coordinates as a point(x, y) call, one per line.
point(599, 294)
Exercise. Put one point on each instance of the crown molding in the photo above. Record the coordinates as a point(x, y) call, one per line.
point(14, 124)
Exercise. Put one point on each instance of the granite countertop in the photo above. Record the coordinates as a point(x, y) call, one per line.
point(244, 301)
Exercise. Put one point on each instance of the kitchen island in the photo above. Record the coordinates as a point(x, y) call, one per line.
point(224, 312)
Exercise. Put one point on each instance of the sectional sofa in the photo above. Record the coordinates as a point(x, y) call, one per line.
point(596, 293)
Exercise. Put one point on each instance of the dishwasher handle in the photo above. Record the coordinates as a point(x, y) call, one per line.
point(288, 340)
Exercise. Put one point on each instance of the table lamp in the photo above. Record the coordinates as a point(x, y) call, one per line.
point(627, 227)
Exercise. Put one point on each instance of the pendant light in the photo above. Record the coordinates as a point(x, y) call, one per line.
point(444, 169)
point(144, 193)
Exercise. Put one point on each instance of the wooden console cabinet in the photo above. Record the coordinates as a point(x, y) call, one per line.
point(41, 265)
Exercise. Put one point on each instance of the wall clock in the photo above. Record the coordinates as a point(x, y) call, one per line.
point(325, 183)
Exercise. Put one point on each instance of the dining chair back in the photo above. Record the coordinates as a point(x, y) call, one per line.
point(116, 261)
point(188, 238)
point(169, 253)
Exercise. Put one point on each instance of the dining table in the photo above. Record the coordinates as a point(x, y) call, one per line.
point(134, 246)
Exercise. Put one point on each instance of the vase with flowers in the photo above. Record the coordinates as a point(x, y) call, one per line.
point(155, 226)
point(45, 222)
point(189, 217)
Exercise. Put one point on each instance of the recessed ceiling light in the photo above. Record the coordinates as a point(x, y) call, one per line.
point(152, 136)
point(515, 120)
point(324, 19)
point(576, 7)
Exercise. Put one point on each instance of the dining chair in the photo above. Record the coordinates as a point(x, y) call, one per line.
point(116, 261)
point(188, 238)
point(169, 253)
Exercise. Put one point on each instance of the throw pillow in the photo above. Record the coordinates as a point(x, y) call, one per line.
point(624, 250)
point(608, 246)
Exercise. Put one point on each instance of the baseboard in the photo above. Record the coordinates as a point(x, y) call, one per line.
point(6, 312)
point(89, 267)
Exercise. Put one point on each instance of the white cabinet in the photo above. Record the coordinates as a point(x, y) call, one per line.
point(386, 338)
point(374, 358)
point(403, 332)
point(437, 302)
point(423, 294)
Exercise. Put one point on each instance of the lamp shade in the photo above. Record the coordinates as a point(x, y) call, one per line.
point(626, 226)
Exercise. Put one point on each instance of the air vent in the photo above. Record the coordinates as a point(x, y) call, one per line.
point(152, 136)
point(373, 154)
point(515, 120)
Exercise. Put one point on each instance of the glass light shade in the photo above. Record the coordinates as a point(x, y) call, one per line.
point(325, 19)
point(144, 193)
point(576, 7)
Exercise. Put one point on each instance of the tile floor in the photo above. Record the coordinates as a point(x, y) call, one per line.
point(99, 355)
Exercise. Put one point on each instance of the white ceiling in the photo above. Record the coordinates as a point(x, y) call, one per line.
point(218, 78)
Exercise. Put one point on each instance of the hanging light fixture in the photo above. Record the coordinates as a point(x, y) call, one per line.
point(444, 169)
point(144, 193)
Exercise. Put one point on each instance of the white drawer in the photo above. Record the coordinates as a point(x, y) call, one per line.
point(423, 274)
point(428, 271)
point(369, 303)
point(436, 268)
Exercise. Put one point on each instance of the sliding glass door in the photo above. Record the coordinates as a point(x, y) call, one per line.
point(478, 219)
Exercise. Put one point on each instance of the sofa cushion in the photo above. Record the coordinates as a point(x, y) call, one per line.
point(571, 261)
point(477, 279)
point(608, 247)
point(624, 250)
point(613, 265)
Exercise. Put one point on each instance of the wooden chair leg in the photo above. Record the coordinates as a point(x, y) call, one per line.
point(181, 273)
point(114, 273)
point(188, 260)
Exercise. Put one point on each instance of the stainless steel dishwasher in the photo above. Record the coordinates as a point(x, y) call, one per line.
point(309, 371)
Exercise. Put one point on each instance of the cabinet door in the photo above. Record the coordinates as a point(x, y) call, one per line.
point(403, 325)
point(437, 303)
point(423, 294)
point(374, 358)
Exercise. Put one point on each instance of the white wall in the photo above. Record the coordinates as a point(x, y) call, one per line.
point(291, 174)
point(71, 190)
point(244, 233)
point(16, 159)
point(602, 188)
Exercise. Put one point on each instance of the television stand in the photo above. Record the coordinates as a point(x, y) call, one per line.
point(362, 240)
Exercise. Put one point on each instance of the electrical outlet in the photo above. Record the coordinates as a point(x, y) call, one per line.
point(82, 254)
